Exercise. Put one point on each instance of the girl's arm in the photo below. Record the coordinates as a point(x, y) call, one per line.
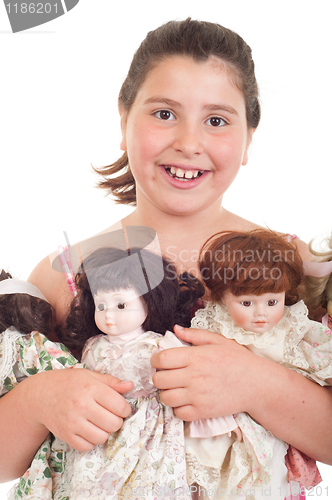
point(220, 377)
point(79, 406)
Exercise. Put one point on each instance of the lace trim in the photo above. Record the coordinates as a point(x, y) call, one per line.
point(215, 318)
point(8, 354)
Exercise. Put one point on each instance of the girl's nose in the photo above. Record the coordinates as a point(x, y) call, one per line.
point(188, 140)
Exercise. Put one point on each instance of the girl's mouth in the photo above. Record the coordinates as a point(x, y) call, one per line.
point(183, 175)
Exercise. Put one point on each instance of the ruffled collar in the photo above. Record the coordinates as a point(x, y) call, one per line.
point(125, 337)
point(113, 346)
point(294, 322)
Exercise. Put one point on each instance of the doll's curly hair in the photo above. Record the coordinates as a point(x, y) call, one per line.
point(318, 291)
point(24, 312)
point(168, 303)
point(254, 263)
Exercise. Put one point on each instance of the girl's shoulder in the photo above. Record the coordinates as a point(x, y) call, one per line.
point(233, 222)
point(54, 286)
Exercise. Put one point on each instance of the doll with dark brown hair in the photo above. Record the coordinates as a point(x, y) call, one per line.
point(26, 321)
point(127, 302)
point(253, 279)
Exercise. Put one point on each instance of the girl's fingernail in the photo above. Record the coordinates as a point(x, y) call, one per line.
point(179, 327)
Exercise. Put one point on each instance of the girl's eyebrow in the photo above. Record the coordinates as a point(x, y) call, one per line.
point(209, 107)
point(162, 100)
point(221, 107)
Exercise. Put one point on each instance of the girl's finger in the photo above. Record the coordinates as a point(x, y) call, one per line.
point(175, 397)
point(169, 359)
point(198, 337)
point(169, 379)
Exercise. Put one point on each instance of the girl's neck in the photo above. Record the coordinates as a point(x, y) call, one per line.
point(181, 236)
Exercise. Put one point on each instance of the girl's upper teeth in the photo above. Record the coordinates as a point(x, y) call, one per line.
point(187, 174)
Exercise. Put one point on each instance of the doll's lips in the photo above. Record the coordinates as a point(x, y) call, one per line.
point(260, 323)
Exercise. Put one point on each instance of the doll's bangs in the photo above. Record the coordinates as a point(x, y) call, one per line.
point(253, 263)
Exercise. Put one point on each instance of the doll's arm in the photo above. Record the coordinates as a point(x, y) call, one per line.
point(219, 377)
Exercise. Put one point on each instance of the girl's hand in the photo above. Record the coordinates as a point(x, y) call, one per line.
point(207, 380)
point(79, 406)
point(218, 377)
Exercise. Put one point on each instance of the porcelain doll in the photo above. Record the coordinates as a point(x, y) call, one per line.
point(125, 307)
point(253, 279)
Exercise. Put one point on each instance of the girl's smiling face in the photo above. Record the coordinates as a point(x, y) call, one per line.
point(186, 135)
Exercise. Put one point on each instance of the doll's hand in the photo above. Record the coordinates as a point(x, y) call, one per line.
point(81, 407)
point(207, 380)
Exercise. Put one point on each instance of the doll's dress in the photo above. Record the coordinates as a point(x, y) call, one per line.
point(21, 356)
point(144, 459)
point(255, 463)
point(24, 355)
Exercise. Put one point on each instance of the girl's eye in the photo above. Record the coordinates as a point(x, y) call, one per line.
point(122, 306)
point(216, 121)
point(164, 114)
point(101, 307)
point(272, 302)
point(246, 303)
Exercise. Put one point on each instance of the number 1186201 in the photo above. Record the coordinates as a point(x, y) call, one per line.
point(32, 8)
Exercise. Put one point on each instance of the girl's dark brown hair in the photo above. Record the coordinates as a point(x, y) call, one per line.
point(24, 312)
point(168, 303)
point(253, 263)
point(199, 40)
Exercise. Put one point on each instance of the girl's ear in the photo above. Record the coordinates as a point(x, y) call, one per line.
point(249, 140)
point(123, 124)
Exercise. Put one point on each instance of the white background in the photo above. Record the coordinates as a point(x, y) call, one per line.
point(58, 115)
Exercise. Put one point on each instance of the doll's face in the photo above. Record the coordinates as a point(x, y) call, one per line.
point(255, 313)
point(119, 311)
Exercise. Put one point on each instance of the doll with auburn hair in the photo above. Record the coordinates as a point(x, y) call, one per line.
point(253, 279)
point(125, 306)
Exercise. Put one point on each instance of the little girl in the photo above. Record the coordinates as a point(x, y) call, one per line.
point(189, 107)
point(253, 279)
point(124, 306)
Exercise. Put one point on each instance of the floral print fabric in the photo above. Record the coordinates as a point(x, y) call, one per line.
point(297, 343)
point(144, 459)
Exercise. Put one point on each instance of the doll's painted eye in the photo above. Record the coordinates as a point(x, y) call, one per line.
point(122, 306)
point(101, 307)
point(246, 303)
point(272, 302)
